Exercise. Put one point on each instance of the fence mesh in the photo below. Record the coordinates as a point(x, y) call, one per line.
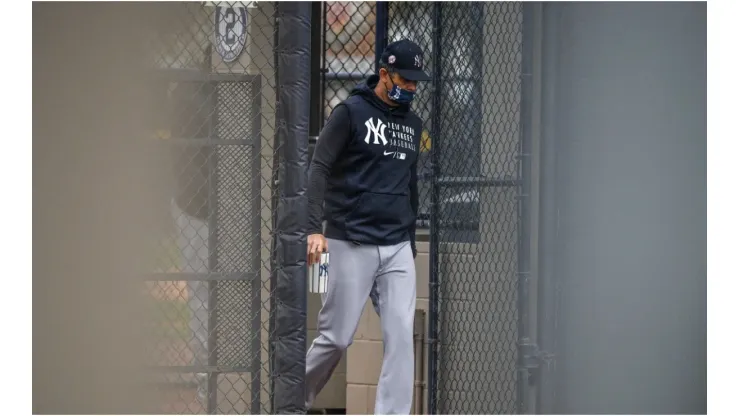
point(211, 291)
point(214, 66)
point(349, 48)
point(472, 121)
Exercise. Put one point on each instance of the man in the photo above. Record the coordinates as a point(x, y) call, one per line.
point(364, 173)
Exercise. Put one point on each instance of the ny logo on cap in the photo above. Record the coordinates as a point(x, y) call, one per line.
point(417, 60)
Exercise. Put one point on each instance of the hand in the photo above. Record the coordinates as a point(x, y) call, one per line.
point(316, 245)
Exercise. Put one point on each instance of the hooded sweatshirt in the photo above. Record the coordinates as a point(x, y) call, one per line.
point(364, 171)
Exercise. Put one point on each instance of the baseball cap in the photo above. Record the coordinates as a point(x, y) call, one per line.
point(406, 58)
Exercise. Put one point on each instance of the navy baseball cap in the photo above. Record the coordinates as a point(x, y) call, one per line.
point(405, 58)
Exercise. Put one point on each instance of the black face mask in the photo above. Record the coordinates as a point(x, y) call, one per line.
point(400, 95)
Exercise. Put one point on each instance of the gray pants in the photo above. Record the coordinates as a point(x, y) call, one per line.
point(387, 274)
point(192, 240)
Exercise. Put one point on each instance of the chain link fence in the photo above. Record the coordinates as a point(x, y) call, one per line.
point(470, 193)
point(213, 287)
point(349, 49)
point(215, 71)
point(470, 180)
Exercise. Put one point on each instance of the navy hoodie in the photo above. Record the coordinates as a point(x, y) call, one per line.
point(364, 171)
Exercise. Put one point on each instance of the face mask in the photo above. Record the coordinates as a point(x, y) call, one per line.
point(400, 95)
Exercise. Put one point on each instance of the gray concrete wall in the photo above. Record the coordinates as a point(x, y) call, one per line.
point(631, 147)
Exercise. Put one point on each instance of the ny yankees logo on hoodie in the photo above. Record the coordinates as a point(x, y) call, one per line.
point(366, 156)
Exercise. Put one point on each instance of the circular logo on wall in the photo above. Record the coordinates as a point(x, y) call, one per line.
point(231, 32)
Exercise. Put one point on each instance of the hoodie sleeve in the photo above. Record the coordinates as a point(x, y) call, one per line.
point(332, 140)
point(414, 196)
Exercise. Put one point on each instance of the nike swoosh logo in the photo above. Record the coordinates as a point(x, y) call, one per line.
point(387, 153)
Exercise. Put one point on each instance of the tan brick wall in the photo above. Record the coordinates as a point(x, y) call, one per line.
point(365, 356)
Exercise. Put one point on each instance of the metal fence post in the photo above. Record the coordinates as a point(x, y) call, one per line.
point(317, 8)
point(212, 384)
point(547, 289)
point(434, 211)
point(256, 281)
point(527, 357)
point(381, 30)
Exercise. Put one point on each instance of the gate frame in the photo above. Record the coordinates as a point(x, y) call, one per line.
point(548, 286)
point(433, 340)
point(528, 354)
